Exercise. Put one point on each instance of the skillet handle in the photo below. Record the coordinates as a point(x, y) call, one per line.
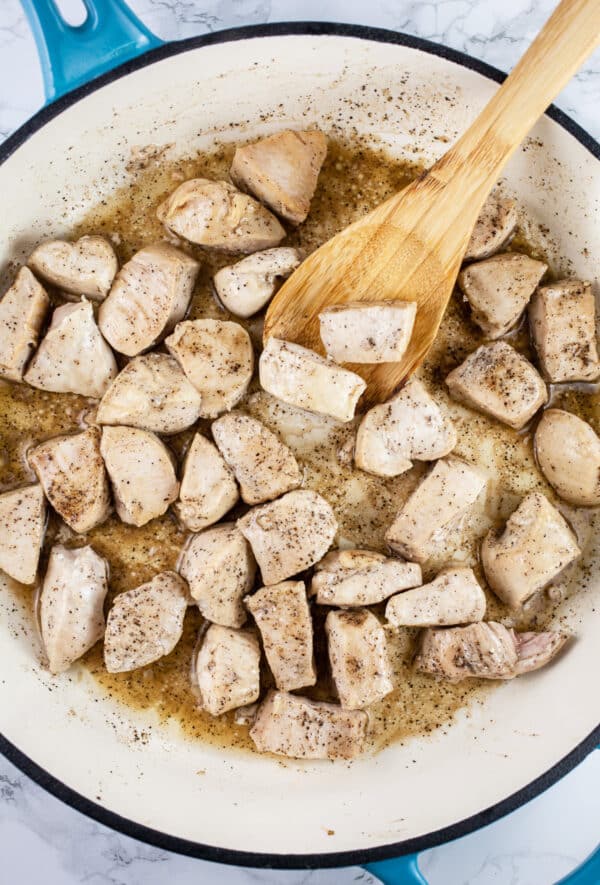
point(71, 56)
point(400, 871)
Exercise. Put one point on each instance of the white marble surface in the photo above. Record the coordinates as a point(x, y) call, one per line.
point(43, 841)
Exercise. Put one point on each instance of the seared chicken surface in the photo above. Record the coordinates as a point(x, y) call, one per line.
point(22, 526)
point(73, 357)
point(410, 426)
point(149, 296)
point(373, 332)
point(71, 604)
point(453, 597)
point(219, 567)
point(208, 489)
point(86, 267)
point(568, 453)
point(216, 214)
point(228, 669)
point(217, 358)
point(499, 381)
point(283, 617)
point(358, 657)
point(282, 170)
point(145, 624)
point(289, 725)
point(494, 228)
point(71, 472)
point(264, 466)
point(153, 393)
point(302, 378)
point(23, 309)
point(246, 287)
point(361, 577)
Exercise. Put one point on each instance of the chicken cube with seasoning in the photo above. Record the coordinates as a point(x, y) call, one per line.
point(358, 657)
point(227, 669)
point(568, 453)
point(86, 267)
point(22, 527)
point(208, 489)
point(369, 332)
point(351, 578)
point(23, 308)
point(493, 229)
point(453, 597)
point(246, 287)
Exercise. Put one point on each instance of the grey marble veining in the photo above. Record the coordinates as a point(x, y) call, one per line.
point(44, 841)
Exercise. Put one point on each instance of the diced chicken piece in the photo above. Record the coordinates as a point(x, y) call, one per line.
point(568, 453)
point(300, 377)
point(493, 229)
point(141, 471)
point(145, 624)
point(71, 472)
point(369, 332)
point(361, 577)
point(22, 526)
point(563, 327)
point(217, 215)
point(282, 615)
point(86, 267)
point(264, 467)
point(217, 358)
point(73, 357)
point(358, 657)
point(219, 567)
point(435, 506)
point(290, 534)
point(22, 312)
point(228, 669)
point(496, 380)
point(534, 547)
point(151, 392)
point(411, 426)
point(499, 288)
point(150, 295)
point(282, 170)
point(454, 597)
point(289, 725)
point(72, 604)
point(208, 489)
point(485, 650)
point(244, 288)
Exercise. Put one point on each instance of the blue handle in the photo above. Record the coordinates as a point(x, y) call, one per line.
point(398, 871)
point(71, 56)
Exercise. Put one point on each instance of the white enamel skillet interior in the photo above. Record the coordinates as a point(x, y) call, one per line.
point(124, 768)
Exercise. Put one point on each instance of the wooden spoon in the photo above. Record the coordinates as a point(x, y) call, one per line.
point(410, 248)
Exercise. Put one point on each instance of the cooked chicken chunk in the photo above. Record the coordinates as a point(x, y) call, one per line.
point(496, 380)
point(141, 471)
point(208, 489)
point(302, 378)
point(282, 615)
point(290, 534)
point(493, 229)
point(264, 467)
point(293, 726)
point(150, 295)
point(72, 474)
point(244, 288)
point(563, 327)
point(361, 577)
point(145, 624)
point(86, 267)
point(72, 604)
point(486, 651)
point(22, 312)
point(373, 332)
point(217, 358)
point(73, 357)
point(151, 392)
point(228, 669)
point(282, 170)
point(218, 215)
point(358, 657)
point(534, 547)
point(22, 526)
point(499, 288)
point(410, 426)
point(435, 506)
point(568, 453)
point(219, 567)
point(454, 597)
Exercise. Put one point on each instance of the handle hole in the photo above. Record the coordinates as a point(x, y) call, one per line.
point(73, 11)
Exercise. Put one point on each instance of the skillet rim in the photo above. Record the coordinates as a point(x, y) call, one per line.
point(263, 859)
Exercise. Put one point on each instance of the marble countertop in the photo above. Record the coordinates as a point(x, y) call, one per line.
point(43, 840)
